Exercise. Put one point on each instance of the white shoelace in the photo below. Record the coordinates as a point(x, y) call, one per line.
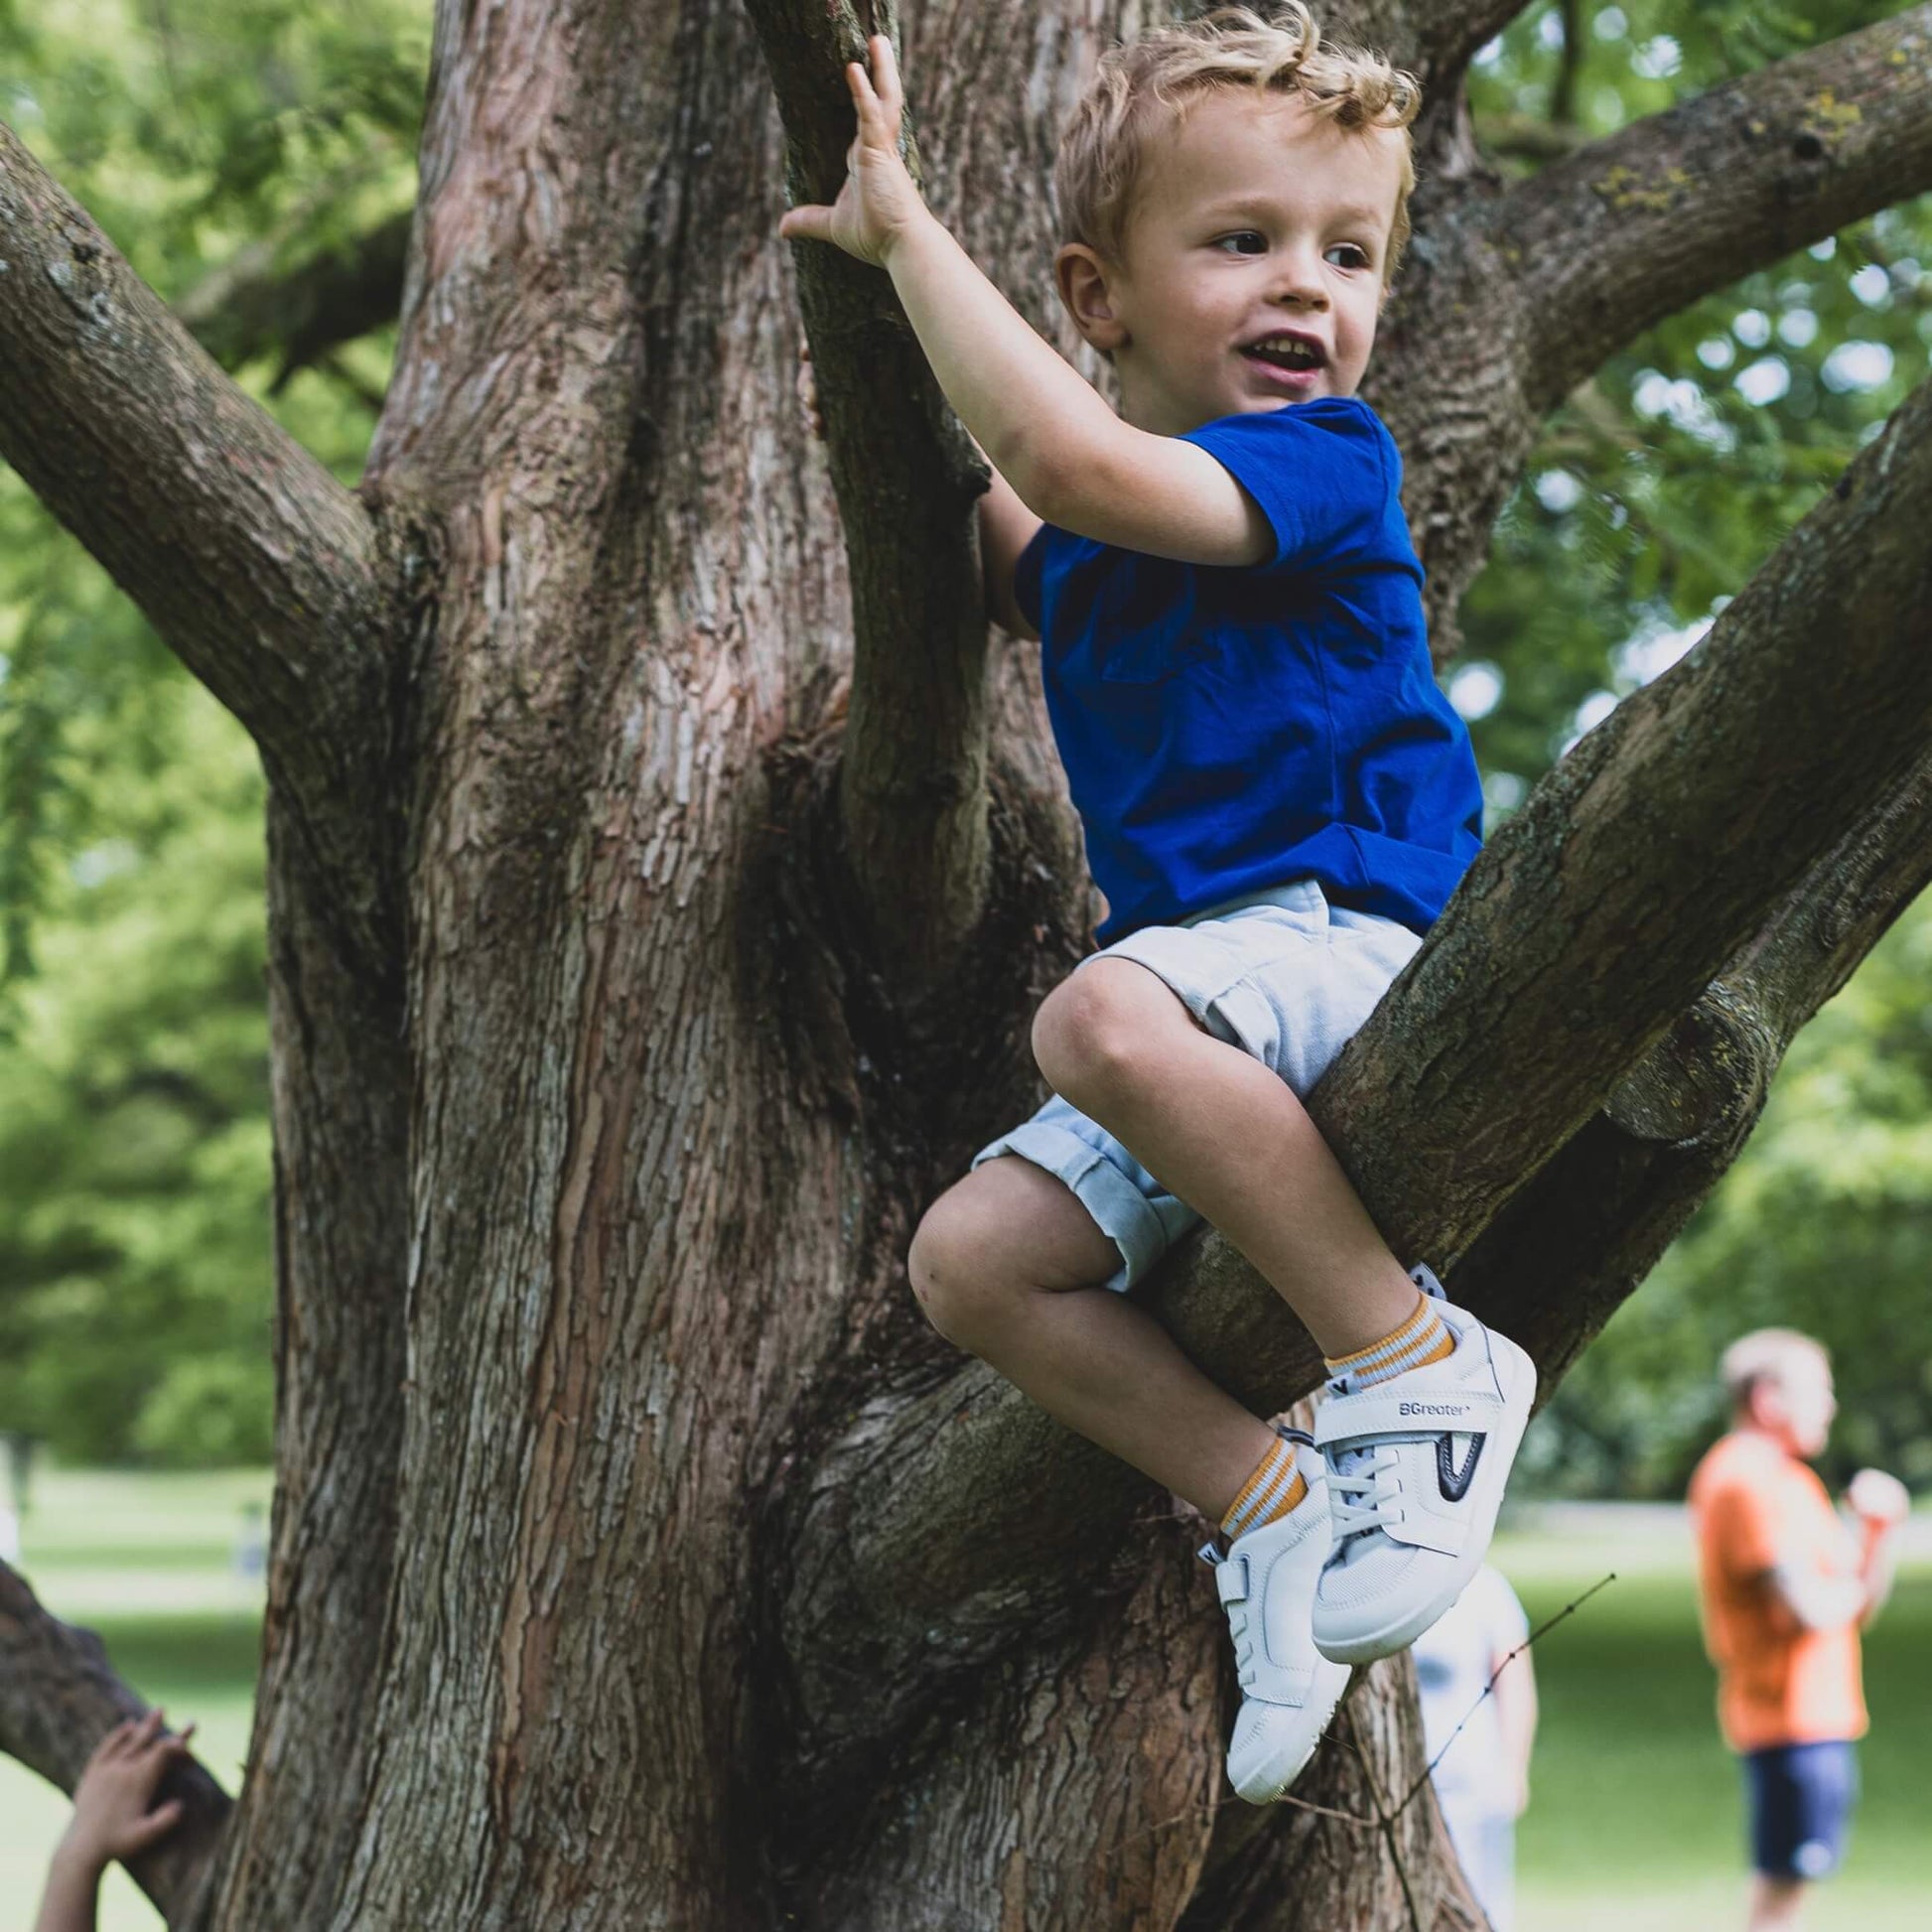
point(1364, 1492)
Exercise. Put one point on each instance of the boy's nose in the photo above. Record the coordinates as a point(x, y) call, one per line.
point(1303, 299)
point(1300, 285)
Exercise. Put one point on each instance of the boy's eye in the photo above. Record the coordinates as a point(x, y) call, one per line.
point(1355, 257)
point(1246, 234)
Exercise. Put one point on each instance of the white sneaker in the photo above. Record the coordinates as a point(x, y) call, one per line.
point(1289, 1689)
point(1416, 1471)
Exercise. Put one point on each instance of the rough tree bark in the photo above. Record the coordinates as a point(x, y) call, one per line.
point(665, 862)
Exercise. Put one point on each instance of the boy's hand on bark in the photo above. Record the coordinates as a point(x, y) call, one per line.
point(879, 200)
point(112, 1818)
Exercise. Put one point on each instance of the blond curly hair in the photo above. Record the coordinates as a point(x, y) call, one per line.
point(1152, 83)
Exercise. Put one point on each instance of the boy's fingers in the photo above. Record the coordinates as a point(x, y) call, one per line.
point(813, 223)
point(876, 101)
point(130, 1738)
point(162, 1820)
point(885, 65)
point(862, 87)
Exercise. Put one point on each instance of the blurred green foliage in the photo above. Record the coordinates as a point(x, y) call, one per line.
point(135, 1288)
point(1656, 490)
point(135, 1245)
point(1825, 1224)
point(134, 1147)
point(1662, 484)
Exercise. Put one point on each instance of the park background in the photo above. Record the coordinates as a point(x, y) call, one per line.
point(246, 144)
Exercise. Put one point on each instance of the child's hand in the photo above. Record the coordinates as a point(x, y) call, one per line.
point(878, 201)
point(112, 1816)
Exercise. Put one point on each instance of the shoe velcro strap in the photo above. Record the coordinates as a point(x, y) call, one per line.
point(1231, 1578)
point(1378, 1412)
point(1288, 1685)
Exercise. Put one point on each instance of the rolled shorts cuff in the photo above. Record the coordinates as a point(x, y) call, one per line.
point(1121, 1213)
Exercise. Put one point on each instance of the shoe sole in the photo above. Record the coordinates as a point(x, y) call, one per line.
point(1263, 1788)
point(1516, 1373)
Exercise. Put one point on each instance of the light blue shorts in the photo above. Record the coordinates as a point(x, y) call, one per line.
point(1281, 975)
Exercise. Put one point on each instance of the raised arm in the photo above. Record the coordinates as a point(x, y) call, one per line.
point(1068, 458)
point(1880, 1504)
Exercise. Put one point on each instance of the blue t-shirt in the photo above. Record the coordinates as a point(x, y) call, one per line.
point(1225, 728)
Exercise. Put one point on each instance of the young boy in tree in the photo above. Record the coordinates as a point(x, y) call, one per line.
point(114, 1817)
point(1277, 802)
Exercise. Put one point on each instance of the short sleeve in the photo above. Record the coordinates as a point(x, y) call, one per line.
point(1741, 1526)
point(1322, 471)
point(1026, 575)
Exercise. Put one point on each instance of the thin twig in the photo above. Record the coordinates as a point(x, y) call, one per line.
point(1215, 1807)
point(1549, 1623)
point(1386, 1819)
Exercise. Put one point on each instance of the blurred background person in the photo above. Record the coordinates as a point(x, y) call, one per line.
point(1482, 1778)
point(1784, 1587)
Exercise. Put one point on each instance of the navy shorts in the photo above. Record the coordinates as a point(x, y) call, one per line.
point(1801, 1798)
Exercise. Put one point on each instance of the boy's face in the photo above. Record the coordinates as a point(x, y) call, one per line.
point(1255, 218)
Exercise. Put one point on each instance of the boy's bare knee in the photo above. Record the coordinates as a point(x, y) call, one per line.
point(1007, 1232)
point(1100, 1028)
point(950, 1263)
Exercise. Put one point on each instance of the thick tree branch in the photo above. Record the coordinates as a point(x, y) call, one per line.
point(1633, 228)
point(58, 1697)
point(255, 564)
point(250, 307)
point(913, 790)
point(1527, 137)
point(1644, 862)
point(1597, 918)
point(1597, 1217)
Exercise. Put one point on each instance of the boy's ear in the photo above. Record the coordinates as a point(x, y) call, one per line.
point(1084, 281)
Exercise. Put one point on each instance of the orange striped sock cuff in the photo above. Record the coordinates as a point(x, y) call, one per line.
point(1422, 1339)
point(1276, 1486)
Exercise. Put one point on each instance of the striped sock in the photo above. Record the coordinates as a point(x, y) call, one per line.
point(1276, 1486)
point(1422, 1339)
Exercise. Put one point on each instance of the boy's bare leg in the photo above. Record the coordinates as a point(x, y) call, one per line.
point(1005, 1264)
point(1229, 1136)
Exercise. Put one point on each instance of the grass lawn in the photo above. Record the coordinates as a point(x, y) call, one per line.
point(1635, 1819)
point(1636, 1814)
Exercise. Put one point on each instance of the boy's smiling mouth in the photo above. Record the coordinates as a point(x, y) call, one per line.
point(1287, 348)
point(1288, 358)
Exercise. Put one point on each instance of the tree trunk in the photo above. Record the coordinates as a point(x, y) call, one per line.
point(640, 1558)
